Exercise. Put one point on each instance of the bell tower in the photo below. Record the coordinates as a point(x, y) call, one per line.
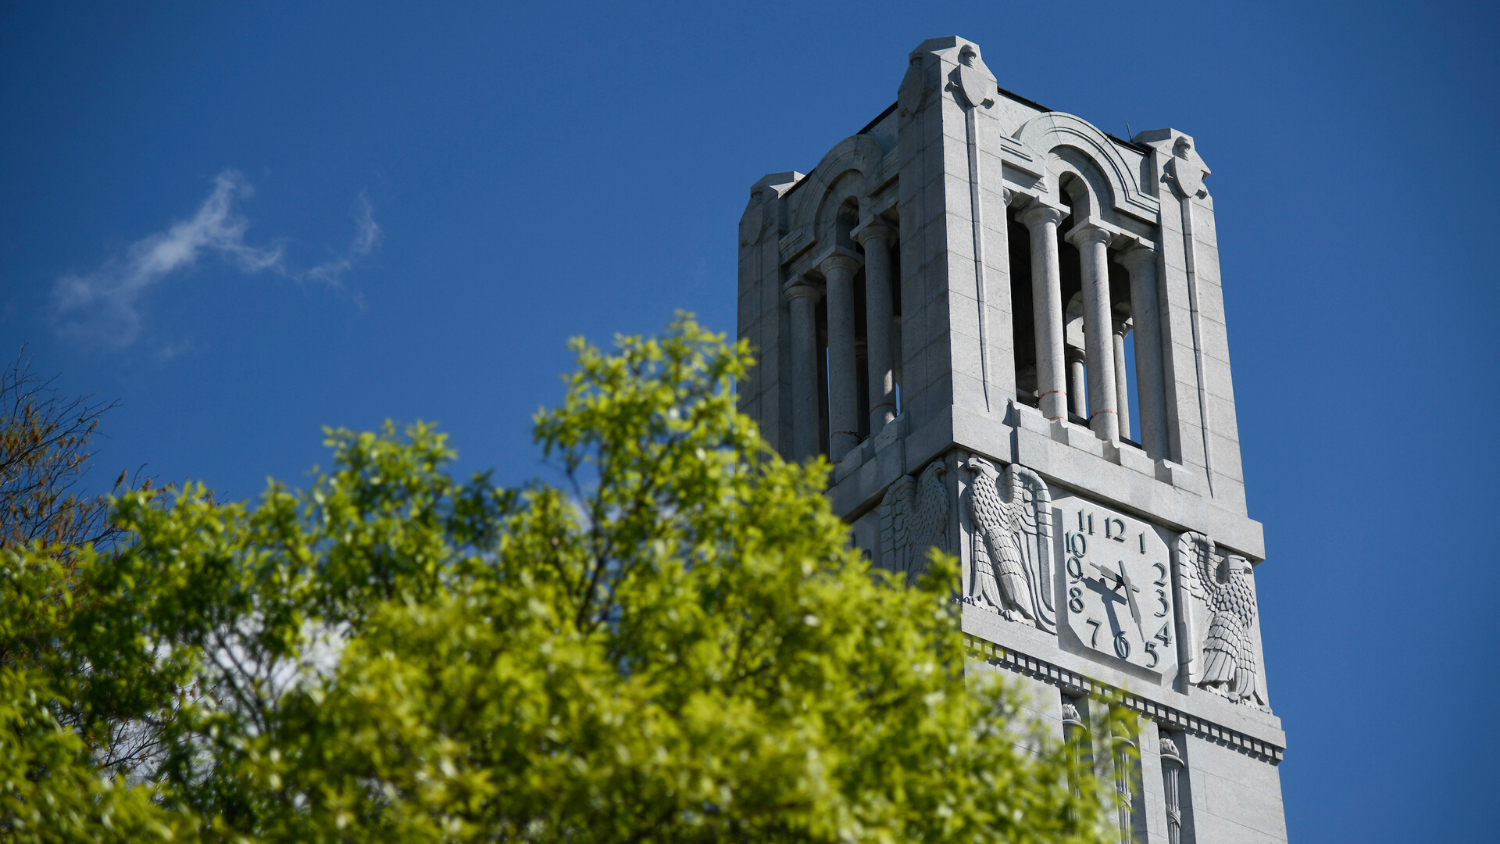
point(1005, 329)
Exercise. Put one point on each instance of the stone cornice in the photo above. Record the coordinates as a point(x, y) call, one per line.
point(1040, 669)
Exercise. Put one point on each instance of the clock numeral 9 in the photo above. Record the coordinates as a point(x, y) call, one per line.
point(1075, 568)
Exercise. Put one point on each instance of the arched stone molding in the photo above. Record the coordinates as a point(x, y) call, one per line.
point(840, 176)
point(1089, 192)
point(1046, 133)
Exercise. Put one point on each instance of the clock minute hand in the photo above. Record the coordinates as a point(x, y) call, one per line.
point(1135, 609)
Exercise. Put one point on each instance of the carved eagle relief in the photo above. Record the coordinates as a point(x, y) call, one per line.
point(913, 518)
point(1222, 658)
point(1012, 544)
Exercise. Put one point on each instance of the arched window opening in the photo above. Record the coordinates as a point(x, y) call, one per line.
point(861, 355)
point(1127, 379)
point(823, 412)
point(898, 355)
point(1075, 360)
point(1022, 314)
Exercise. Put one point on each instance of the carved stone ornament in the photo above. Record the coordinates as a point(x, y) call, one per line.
point(913, 88)
point(913, 518)
point(1222, 657)
point(1187, 169)
point(1012, 545)
point(1168, 750)
point(977, 89)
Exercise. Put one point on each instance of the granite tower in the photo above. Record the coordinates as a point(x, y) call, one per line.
point(1005, 329)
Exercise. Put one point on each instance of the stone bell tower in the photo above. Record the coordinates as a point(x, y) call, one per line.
point(1005, 329)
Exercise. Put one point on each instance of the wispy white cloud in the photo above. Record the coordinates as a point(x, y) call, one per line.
point(366, 238)
point(105, 306)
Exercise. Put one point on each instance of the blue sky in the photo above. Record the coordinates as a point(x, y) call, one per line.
point(249, 221)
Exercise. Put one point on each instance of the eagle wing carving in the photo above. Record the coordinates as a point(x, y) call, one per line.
point(914, 517)
point(1011, 543)
point(1222, 584)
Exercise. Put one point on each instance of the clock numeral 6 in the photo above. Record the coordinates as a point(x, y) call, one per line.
point(1122, 645)
point(1075, 599)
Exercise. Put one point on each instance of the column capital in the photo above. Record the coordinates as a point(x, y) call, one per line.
point(1087, 233)
point(1039, 212)
point(873, 229)
point(802, 287)
point(1073, 354)
point(1138, 251)
point(1121, 321)
point(839, 258)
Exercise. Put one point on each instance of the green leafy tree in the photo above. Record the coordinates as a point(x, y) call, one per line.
point(677, 644)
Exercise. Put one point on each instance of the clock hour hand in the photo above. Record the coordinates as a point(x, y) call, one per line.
point(1117, 580)
point(1111, 578)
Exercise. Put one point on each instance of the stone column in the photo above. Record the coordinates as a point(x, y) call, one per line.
point(1077, 385)
point(1123, 763)
point(1093, 247)
point(1150, 381)
point(1171, 769)
point(879, 321)
point(843, 393)
point(1122, 383)
point(1047, 308)
point(803, 297)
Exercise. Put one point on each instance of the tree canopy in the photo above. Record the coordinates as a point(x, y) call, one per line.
point(676, 642)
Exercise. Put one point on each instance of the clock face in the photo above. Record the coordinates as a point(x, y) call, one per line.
point(1117, 584)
